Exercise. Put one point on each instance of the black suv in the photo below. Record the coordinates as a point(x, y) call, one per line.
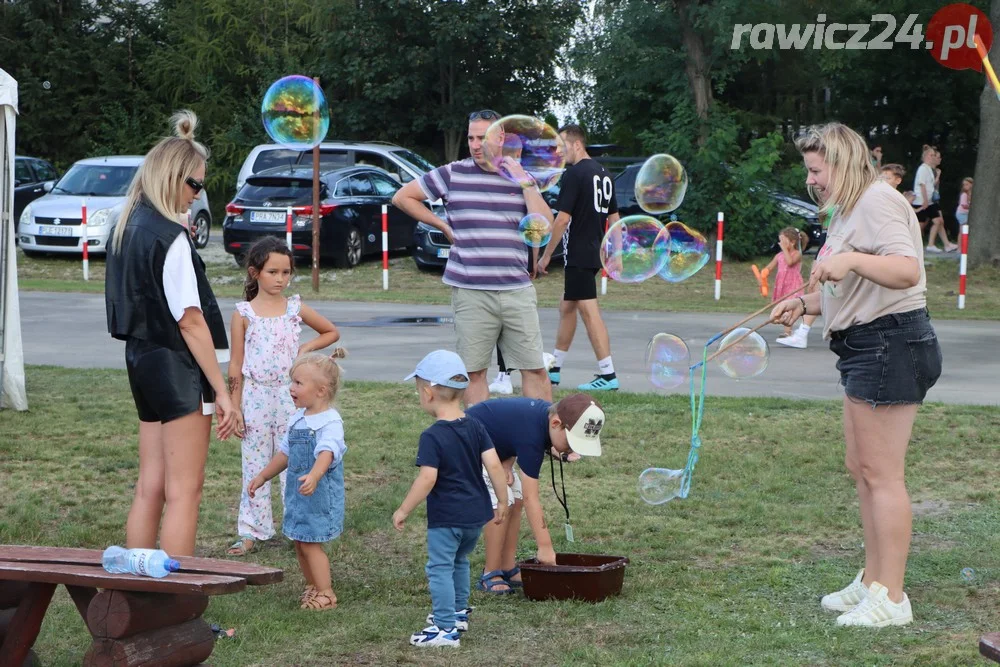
point(351, 203)
point(32, 179)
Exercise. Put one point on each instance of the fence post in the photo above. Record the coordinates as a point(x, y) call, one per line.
point(963, 266)
point(718, 257)
point(86, 241)
point(385, 247)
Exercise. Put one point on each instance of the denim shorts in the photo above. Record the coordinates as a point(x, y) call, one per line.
point(891, 360)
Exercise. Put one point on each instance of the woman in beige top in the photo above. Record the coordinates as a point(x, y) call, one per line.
point(871, 294)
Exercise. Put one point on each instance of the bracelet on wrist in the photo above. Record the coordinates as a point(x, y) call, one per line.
point(805, 311)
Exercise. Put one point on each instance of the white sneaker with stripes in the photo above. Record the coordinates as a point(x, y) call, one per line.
point(878, 611)
point(848, 598)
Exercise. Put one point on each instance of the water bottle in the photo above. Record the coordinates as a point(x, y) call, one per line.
point(145, 562)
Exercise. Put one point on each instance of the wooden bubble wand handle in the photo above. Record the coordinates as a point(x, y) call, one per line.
point(754, 314)
point(737, 341)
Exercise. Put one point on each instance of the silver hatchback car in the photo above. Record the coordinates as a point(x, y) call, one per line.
point(52, 223)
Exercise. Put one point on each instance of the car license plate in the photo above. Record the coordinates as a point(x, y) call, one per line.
point(267, 216)
point(55, 231)
point(443, 252)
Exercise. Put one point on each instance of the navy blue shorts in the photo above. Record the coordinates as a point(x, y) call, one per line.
point(891, 360)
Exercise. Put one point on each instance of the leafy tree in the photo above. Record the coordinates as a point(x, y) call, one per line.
point(984, 218)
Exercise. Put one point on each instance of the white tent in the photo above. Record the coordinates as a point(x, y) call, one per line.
point(12, 393)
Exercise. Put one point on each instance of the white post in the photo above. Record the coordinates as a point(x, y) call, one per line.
point(962, 266)
point(385, 247)
point(718, 257)
point(288, 228)
point(86, 241)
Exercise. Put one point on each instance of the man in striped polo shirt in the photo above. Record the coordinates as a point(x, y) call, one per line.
point(492, 294)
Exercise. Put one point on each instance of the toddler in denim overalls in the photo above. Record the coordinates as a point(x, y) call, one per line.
point(312, 450)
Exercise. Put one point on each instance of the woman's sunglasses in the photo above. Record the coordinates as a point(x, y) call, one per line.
point(195, 185)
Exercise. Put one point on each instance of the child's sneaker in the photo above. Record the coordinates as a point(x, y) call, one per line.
point(435, 636)
point(848, 598)
point(799, 339)
point(878, 611)
point(461, 619)
point(502, 385)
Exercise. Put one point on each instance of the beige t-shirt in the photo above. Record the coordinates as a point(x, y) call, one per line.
point(882, 223)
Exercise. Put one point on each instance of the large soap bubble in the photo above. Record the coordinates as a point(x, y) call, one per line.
point(745, 359)
point(295, 113)
point(660, 184)
point(668, 360)
point(634, 249)
point(688, 253)
point(660, 485)
point(532, 142)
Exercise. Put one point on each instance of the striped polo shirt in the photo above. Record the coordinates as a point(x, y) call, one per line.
point(484, 210)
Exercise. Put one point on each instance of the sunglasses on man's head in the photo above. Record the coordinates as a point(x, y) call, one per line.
point(195, 185)
point(485, 114)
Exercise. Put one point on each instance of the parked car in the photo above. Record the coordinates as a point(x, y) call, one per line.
point(402, 164)
point(32, 179)
point(351, 201)
point(431, 247)
point(53, 223)
point(806, 211)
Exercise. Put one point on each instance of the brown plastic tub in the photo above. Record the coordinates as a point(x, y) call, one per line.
point(588, 577)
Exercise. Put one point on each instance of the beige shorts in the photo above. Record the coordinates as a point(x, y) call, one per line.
point(513, 491)
point(485, 319)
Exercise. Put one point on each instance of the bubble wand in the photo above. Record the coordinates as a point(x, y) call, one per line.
point(990, 74)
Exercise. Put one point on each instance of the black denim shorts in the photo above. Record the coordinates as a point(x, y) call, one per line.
point(891, 360)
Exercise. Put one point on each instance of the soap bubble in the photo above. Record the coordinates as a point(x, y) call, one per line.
point(688, 253)
point(968, 575)
point(532, 142)
point(535, 229)
point(660, 485)
point(295, 113)
point(668, 361)
point(660, 184)
point(634, 249)
point(746, 358)
point(46, 85)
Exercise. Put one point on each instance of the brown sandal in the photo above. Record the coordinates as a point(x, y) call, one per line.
point(308, 593)
point(320, 601)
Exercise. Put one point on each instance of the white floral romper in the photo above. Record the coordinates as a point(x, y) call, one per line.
point(269, 348)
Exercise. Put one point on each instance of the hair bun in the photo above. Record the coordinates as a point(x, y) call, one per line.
point(185, 122)
point(339, 353)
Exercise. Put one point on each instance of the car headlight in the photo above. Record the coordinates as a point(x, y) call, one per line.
point(99, 218)
point(26, 217)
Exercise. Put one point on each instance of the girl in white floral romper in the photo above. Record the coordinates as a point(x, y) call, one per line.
point(265, 335)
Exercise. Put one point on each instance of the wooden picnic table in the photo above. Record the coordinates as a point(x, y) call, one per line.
point(989, 646)
point(133, 620)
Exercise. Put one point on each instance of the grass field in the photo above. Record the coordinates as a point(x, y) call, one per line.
point(730, 576)
point(409, 285)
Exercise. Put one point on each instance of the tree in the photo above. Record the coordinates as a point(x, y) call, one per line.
point(984, 217)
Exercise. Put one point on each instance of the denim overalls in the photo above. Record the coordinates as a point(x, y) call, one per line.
point(319, 517)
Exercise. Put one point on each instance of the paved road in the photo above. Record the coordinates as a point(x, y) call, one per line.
point(69, 330)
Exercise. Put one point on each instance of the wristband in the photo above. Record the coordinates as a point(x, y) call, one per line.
point(527, 184)
point(805, 311)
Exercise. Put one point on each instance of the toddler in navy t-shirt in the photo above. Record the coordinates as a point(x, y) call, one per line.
point(451, 455)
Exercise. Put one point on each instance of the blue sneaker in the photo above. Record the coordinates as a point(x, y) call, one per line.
point(435, 636)
point(599, 383)
point(554, 376)
point(461, 619)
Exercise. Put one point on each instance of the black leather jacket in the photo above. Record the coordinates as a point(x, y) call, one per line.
point(133, 289)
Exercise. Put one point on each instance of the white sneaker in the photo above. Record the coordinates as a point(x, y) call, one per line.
point(502, 385)
point(848, 598)
point(434, 636)
point(932, 248)
point(878, 611)
point(799, 339)
point(548, 360)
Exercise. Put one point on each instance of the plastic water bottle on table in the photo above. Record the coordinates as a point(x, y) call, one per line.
point(144, 562)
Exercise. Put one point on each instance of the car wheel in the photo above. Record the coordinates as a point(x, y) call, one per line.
point(349, 254)
point(200, 229)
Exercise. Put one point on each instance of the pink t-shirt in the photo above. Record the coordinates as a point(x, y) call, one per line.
point(963, 203)
point(882, 223)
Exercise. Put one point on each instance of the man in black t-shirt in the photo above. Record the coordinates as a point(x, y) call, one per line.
point(586, 207)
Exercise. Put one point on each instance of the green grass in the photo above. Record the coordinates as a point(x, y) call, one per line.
point(730, 576)
point(409, 285)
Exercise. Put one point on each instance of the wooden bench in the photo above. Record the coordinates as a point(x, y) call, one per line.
point(989, 646)
point(133, 620)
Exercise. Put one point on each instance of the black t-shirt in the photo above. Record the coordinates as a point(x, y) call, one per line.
point(459, 498)
point(587, 193)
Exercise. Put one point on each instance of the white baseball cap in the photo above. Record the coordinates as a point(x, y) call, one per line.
point(583, 418)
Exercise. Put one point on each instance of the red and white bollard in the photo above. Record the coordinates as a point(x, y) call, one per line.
point(85, 240)
point(604, 272)
point(288, 228)
point(385, 247)
point(718, 257)
point(962, 266)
